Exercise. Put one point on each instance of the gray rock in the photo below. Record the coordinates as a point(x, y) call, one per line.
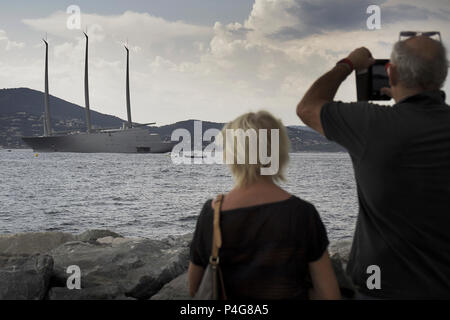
point(24, 277)
point(93, 235)
point(139, 268)
point(342, 249)
point(106, 292)
point(33, 243)
point(179, 241)
point(339, 254)
point(116, 241)
point(177, 289)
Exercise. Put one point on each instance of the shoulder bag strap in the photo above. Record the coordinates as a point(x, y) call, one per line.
point(217, 235)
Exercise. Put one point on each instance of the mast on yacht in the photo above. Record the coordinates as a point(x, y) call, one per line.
point(86, 88)
point(130, 124)
point(47, 120)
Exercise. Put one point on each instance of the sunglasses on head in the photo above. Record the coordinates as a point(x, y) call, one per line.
point(436, 35)
point(387, 66)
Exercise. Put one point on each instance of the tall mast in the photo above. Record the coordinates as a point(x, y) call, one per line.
point(47, 126)
point(130, 124)
point(86, 88)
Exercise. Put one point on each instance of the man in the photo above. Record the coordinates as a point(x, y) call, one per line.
point(401, 159)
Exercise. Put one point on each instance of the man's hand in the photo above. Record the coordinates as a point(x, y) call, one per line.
point(361, 58)
point(324, 89)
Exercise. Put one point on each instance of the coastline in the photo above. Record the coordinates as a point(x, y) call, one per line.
point(35, 266)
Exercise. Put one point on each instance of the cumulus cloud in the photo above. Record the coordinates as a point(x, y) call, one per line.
point(141, 30)
point(9, 44)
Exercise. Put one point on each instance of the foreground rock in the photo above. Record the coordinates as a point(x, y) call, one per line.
point(177, 289)
point(112, 267)
point(33, 243)
point(106, 292)
point(43, 242)
point(136, 268)
point(339, 254)
point(24, 277)
point(93, 235)
point(341, 250)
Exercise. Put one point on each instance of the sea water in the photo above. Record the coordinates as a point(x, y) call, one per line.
point(146, 195)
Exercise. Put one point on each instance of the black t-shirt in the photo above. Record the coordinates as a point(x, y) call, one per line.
point(401, 159)
point(265, 248)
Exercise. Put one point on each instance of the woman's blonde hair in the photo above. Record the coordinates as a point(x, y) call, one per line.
point(247, 171)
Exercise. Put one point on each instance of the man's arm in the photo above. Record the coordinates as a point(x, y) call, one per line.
point(321, 92)
point(325, 88)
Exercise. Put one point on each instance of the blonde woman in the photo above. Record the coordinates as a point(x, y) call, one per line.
point(271, 240)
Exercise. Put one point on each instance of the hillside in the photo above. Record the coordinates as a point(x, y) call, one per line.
point(21, 114)
point(302, 138)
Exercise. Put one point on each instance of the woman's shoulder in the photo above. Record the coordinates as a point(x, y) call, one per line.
point(299, 202)
point(207, 209)
point(206, 215)
point(208, 205)
point(306, 213)
point(301, 210)
point(292, 201)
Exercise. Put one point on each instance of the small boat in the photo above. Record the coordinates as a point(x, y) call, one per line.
point(195, 154)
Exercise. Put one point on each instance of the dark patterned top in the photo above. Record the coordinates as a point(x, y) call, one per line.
point(266, 248)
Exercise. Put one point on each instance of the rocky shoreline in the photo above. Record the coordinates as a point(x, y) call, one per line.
point(34, 266)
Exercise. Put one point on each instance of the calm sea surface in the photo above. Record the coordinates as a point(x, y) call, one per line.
point(146, 195)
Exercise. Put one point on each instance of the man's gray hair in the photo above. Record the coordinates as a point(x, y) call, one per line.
point(416, 70)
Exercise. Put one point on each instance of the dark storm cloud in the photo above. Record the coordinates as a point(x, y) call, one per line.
point(318, 16)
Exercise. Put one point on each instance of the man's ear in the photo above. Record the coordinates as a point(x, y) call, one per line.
point(393, 75)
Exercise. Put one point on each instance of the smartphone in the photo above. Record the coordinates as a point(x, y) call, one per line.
point(370, 81)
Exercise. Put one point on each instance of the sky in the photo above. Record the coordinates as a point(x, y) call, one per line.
point(199, 59)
